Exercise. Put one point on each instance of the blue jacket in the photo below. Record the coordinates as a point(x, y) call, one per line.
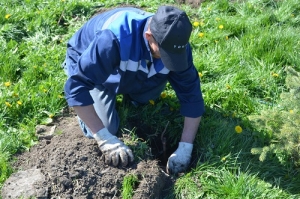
point(110, 50)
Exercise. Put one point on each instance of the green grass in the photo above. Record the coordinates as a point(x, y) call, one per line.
point(241, 50)
point(128, 186)
point(220, 182)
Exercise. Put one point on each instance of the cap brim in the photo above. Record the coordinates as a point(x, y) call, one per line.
point(174, 61)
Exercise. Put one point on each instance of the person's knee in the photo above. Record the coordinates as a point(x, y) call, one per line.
point(143, 98)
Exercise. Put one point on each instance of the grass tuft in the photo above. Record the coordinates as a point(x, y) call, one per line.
point(130, 181)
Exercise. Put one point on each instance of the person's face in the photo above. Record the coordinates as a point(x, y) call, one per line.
point(152, 44)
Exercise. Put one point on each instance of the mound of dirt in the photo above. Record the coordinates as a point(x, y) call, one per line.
point(69, 165)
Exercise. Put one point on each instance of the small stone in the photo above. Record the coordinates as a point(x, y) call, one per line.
point(23, 185)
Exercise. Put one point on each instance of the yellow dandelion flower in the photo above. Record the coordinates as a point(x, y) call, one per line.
point(151, 102)
point(221, 26)
point(163, 95)
point(8, 104)
point(196, 24)
point(7, 16)
point(218, 19)
point(7, 84)
point(223, 159)
point(200, 74)
point(19, 102)
point(201, 34)
point(226, 37)
point(275, 75)
point(291, 111)
point(238, 129)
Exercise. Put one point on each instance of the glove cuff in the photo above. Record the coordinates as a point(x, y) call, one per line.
point(103, 135)
point(186, 147)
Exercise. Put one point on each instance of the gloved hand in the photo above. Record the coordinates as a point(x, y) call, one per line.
point(180, 159)
point(112, 148)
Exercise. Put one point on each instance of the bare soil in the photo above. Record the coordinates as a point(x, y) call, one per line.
point(70, 166)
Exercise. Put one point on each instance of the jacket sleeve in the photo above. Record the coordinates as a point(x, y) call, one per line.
point(92, 68)
point(186, 85)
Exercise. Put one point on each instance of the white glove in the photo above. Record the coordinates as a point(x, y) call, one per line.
point(112, 148)
point(180, 159)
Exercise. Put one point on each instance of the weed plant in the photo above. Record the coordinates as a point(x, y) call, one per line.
point(247, 56)
point(129, 183)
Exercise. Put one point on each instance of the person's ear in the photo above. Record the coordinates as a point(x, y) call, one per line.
point(148, 35)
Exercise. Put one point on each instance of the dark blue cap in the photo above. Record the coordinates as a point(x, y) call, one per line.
point(171, 28)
